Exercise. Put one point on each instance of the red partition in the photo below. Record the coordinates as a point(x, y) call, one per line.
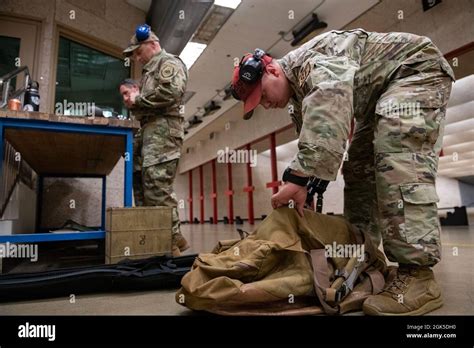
point(190, 199)
point(249, 189)
point(273, 157)
point(230, 193)
point(214, 191)
point(201, 194)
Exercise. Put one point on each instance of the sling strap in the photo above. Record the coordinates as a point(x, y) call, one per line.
point(331, 294)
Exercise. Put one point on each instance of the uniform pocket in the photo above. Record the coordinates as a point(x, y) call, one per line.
point(420, 212)
point(175, 125)
point(158, 143)
point(405, 115)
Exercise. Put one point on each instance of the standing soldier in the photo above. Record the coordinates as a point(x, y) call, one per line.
point(156, 105)
point(396, 86)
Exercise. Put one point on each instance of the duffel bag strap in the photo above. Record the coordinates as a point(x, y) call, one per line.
point(321, 280)
point(377, 279)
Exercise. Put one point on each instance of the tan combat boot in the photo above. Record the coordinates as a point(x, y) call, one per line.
point(181, 242)
point(413, 291)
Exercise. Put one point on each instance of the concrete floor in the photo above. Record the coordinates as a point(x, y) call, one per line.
point(455, 274)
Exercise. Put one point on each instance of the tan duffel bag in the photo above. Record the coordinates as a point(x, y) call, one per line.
point(288, 266)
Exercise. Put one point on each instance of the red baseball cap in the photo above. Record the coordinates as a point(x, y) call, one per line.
point(249, 93)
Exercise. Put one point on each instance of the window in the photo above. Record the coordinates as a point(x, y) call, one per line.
point(87, 77)
point(10, 53)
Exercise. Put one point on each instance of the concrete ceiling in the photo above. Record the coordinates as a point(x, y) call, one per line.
point(143, 5)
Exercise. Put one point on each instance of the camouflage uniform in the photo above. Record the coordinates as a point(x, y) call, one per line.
point(396, 86)
point(157, 146)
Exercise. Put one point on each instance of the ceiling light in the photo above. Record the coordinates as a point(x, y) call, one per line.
point(211, 25)
point(191, 53)
point(228, 3)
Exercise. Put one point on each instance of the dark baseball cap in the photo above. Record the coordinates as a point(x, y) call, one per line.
point(249, 93)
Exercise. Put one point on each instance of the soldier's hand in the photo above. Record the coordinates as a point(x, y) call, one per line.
point(133, 96)
point(290, 191)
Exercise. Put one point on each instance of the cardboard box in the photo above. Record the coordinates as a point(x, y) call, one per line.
point(137, 233)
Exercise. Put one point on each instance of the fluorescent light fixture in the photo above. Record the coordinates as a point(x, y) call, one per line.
point(228, 3)
point(191, 53)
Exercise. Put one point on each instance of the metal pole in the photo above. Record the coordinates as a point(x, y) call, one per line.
point(249, 189)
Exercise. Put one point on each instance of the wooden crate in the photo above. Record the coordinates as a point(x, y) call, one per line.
point(138, 232)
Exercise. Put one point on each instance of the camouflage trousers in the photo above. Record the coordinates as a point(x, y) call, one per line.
point(153, 185)
point(392, 164)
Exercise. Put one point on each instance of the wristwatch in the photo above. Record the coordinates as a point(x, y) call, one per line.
point(295, 179)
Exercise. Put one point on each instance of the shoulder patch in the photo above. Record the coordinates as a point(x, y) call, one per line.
point(304, 73)
point(168, 70)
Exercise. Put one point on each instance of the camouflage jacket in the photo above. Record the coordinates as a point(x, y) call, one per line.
point(340, 75)
point(162, 87)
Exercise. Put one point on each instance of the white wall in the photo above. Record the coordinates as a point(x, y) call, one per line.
point(23, 207)
point(448, 190)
